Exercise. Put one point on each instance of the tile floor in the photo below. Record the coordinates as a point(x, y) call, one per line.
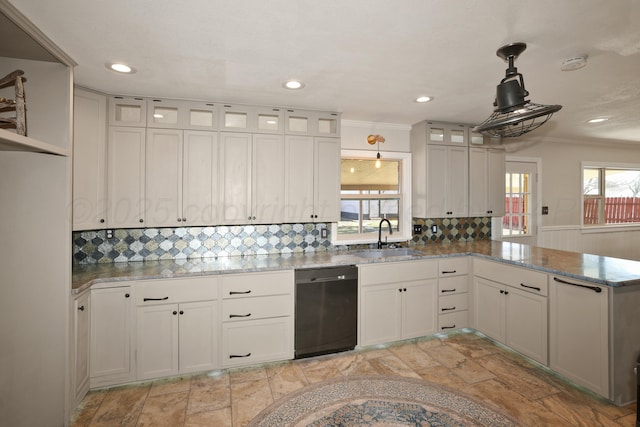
point(467, 362)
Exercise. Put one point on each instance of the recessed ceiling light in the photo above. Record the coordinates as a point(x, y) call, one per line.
point(598, 120)
point(422, 99)
point(293, 84)
point(120, 67)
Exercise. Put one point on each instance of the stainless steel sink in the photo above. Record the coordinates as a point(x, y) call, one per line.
point(386, 253)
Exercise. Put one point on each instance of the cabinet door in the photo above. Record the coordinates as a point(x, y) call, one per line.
point(126, 177)
point(200, 178)
point(437, 181)
point(235, 167)
point(478, 173)
point(198, 333)
point(89, 160)
point(381, 314)
point(458, 181)
point(81, 322)
point(268, 172)
point(299, 171)
point(489, 308)
point(419, 308)
point(579, 333)
point(327, 180)
point(163, 178)
point(495, 181)
point(527, 324)
point(110, 335)
point(157, 341)
point(125, 111)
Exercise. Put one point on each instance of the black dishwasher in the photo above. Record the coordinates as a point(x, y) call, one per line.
point(326, 310)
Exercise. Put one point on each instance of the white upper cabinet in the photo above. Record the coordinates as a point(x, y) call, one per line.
point(486, 181)
point(127, 111)
point(200, 178)
point(447, 134)
point(89, 160)
point(172, 114)
point(126, 177)
point(246, 118)
point(314, 123)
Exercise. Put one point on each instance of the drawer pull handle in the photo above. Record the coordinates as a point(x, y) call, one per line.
point(593, 288)
point(448, 327)
point(449, 272)
point(231, 316)
point(530, 287)
point(448, 290)
point(239, 292)
point(156, 299)
point(448, 308)
point(233, 356)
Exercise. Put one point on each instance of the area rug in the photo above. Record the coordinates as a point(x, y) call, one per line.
point(378, 401)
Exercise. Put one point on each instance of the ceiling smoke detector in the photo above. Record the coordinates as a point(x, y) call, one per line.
point(513, 115)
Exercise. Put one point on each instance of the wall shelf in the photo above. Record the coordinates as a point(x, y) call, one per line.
point(10, 141)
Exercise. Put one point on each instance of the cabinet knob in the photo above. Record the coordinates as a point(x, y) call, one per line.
point(184, 219)
point(126, 295)
point(181, 312)
point(404, 289)
point(400, 290)
point(175, 312)
point(141, 220)
point(179, 219)
point(315, 216)
point(101, 220)
point(81, 308)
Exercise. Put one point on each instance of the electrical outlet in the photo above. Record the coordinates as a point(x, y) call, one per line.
point(434, 229)
point(324, 233)
point(417, 229)
point(109, 234)
point(545, 210)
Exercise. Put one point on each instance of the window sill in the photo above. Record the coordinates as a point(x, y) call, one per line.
point(591, 229)
point(368, 240)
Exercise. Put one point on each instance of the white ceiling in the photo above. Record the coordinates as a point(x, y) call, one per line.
point(368, 59)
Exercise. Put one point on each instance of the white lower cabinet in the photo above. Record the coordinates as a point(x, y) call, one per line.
point(510, 306)
point(80, 347)
point(112, 322)
point(176, 338)
point(177, 326)
point(453, 293)
point(257, 317)
point(579, 332)
point(392, 309)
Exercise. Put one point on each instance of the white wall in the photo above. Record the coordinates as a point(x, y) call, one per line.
point(353, 136)
point(562, 188)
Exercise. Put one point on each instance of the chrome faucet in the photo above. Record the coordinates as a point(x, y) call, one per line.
point(380, 232)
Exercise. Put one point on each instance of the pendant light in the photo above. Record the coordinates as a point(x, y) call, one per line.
point(376, 139)
point(513, 115)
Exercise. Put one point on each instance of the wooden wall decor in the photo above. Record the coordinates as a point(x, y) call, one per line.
point(19, 121)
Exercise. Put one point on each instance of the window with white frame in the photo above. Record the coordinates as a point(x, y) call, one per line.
point(372, 190)
point(610, 195)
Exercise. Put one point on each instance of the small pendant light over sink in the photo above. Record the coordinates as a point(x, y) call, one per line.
point(513, 115)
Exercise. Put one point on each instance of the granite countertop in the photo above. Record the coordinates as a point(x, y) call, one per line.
point(593, 268)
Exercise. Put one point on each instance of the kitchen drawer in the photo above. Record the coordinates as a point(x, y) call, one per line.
point(257, 284)
point(517, 277)
point(257, 341)
point(238, 309)
point(453, 285)
point(454, 320)
point(454, 266)
point(395, 272)
point(169, 291)
point(451, 303)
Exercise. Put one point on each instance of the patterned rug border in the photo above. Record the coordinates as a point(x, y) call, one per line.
point(291, 408)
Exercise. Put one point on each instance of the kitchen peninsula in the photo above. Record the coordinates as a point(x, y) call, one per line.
point(577, 309)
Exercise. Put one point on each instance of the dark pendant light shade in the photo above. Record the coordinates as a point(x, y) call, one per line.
point(513, 115)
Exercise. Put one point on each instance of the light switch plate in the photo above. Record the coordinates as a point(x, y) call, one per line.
point(324, 233)
point(417, 229)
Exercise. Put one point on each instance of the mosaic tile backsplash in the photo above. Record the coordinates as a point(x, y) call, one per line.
point(148, 244)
